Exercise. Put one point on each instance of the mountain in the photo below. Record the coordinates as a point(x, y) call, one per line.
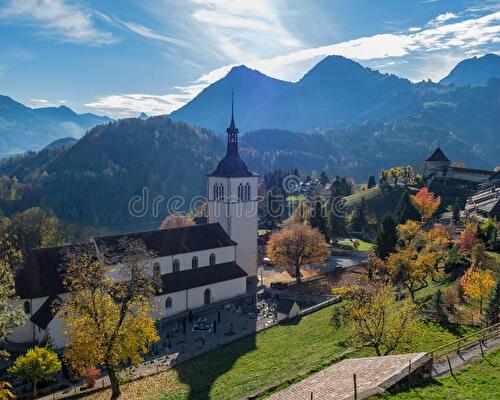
point(93, 181)
point(253, 91)
point(336, 92)
point(143, 115)
point(474, 71)
point(24, 128)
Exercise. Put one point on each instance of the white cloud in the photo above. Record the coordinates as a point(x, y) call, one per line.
point(148, 33)
point(443, 18)
point(438, 45)
point(67, 21)
point(39, 103)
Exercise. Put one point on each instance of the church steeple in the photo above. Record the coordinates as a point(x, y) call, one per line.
point(232, 131)
point(232, 165)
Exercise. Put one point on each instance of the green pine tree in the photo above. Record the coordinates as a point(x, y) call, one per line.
point(386, 236)
point(493, 309)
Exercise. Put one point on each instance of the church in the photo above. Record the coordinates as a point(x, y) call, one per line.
point(197, 265)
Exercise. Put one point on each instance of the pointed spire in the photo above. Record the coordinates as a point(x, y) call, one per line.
point(232, 131)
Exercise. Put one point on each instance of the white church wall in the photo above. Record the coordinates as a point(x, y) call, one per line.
point(179, 304)
point(218, 291)
point(222, 255)
point(27, 332)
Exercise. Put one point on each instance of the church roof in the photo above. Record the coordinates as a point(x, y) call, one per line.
point(168, 242)
point(232, 165)
point(202, 276)
point(47, 311)
point(42, 274)
point(438, 156)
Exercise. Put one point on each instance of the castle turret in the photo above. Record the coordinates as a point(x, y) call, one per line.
point(437, 163)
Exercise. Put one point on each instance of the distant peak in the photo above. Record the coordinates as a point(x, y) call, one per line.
point(243, 70)
point(336, 68)
point(143, 115)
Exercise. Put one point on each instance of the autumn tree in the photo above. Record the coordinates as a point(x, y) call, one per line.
point(419, 255)
point(10, 258)
point(176, 221)
point(297, 245)
point(37, 365)
point(107, 315)
point(375, 318)
point(426, 203)
point(477, 285)
point(302, 213)
point(470, 245)
point(6, 391)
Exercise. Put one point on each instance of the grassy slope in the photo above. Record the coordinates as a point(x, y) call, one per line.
point(281, 354)
point(478, 381)
point(377, 201)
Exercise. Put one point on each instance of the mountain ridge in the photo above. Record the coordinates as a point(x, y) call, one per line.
point(24, 128)
point(475, 71)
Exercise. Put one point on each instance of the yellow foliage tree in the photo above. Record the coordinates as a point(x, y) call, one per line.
point(375, 318)
point(37, 365)
point(6, 391)
point(420, 255)
point(302, 214)
point(297, 245)
point(477, 284)
point(107, 315)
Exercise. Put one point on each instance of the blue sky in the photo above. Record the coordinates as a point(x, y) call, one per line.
point(123, 57)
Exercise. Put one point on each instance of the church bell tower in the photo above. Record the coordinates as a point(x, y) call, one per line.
point(232, 201)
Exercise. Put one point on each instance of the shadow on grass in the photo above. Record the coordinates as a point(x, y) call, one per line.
point(420, 384)
point(200, 373)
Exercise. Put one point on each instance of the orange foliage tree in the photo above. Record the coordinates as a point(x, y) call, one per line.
point(477, 284)
point(297, 245)
point(426, 203)
point(176, 221)
point(470, 245)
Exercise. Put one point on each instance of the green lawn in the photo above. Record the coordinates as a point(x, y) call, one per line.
point(477, 381)
point(279, 356)
point(493, 262)
point(363, 246)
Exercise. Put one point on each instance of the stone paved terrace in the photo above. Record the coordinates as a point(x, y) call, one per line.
point(373, 375)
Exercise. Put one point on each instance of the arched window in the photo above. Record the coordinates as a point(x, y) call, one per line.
point(247, 192)
point(168, 302)
point(194, 262)
point(27, 307)
point(176, 266)
point(206, 296)
point(218, 192)
point(211, 259)
point(156, 269)
point(240, 192)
